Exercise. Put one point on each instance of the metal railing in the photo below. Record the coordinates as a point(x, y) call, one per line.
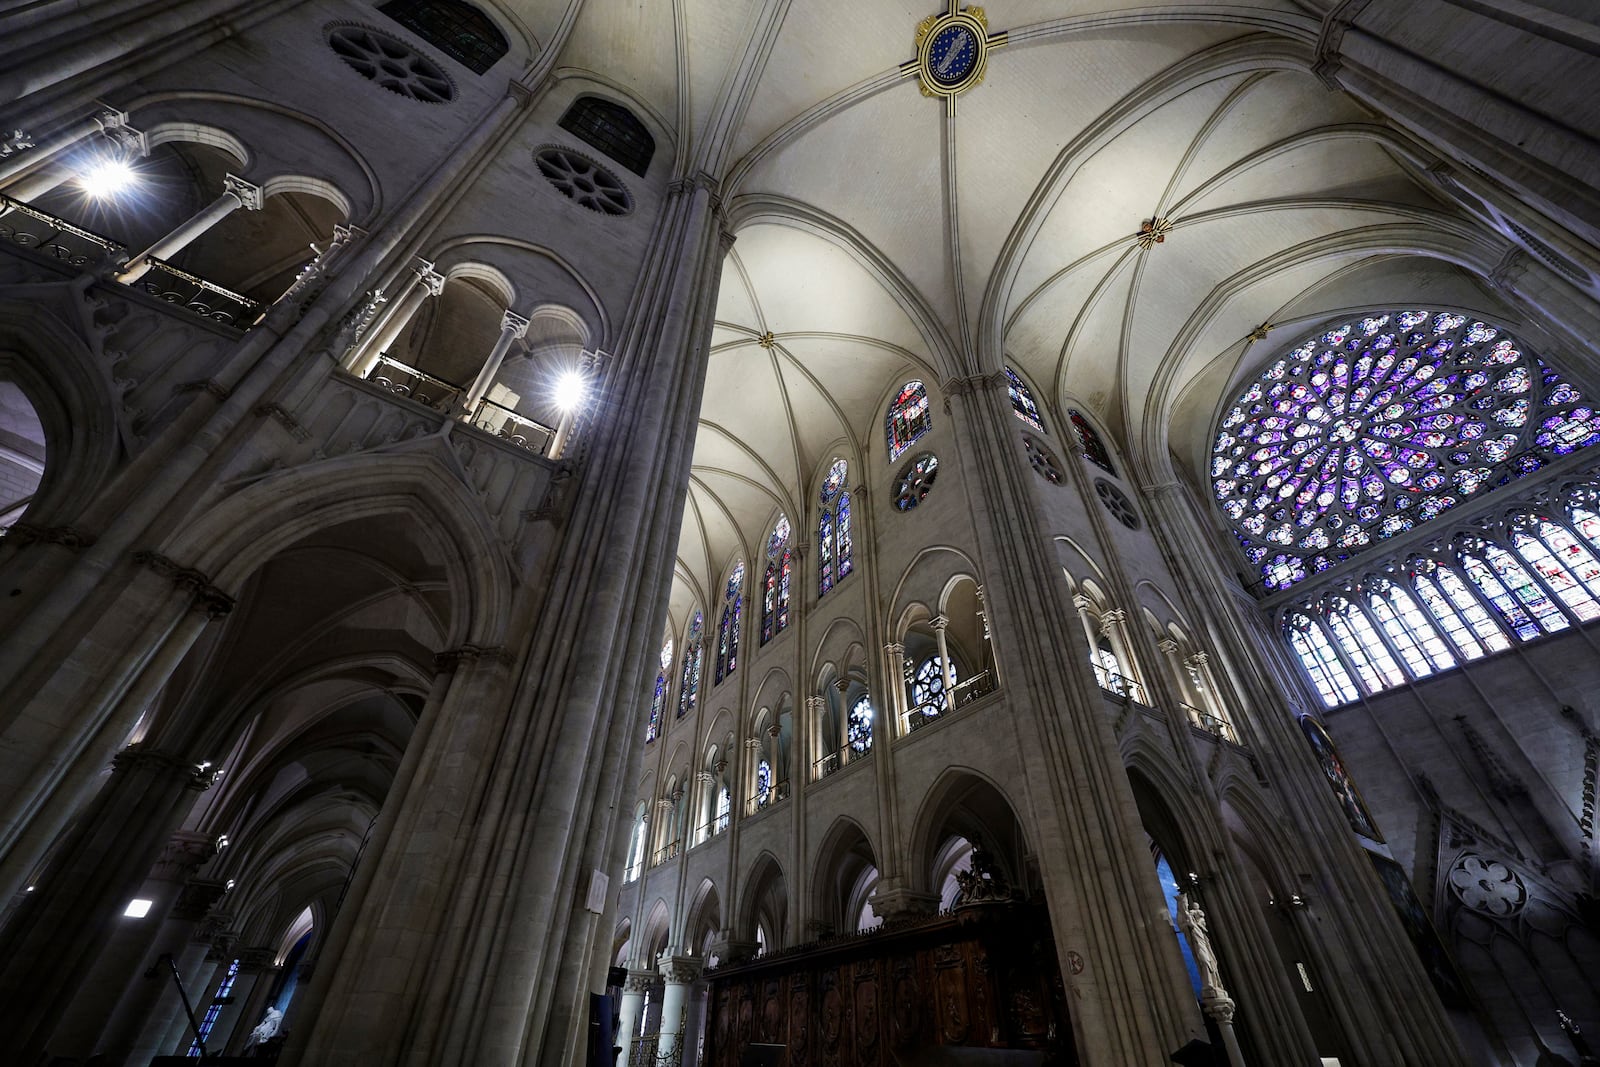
point(761, 801)
point(404, 380)
point(1212, 724)
point(27, 227)
point(840, 757)
point(196, 295)
point(666, 852)
point(979, 685)
point(520, 430)
point(1119, 685)
point(922, 715)
point(707, 830)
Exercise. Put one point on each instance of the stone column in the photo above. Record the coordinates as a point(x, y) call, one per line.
point(30, 159)
point(424, 282)
point(940, 623)
point(50, 943)
point(513, 327)
point(775, 754)
point(752, 750)
point(1113, 624)
point(236, 193)
point(896, 655)
point(631, 1014)
point(703, 827)
point(679, 973)
point(815, 706)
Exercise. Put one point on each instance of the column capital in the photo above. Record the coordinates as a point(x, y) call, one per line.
point(137, 757)
point(1198, 659)
point(753, 744)
point(640, 982)
point(196, 898)
point(895, 648)
point(664, 805)
point(1081, 602)
point(514, 324)
point(774, 731)
point(1114, 616)
point(207, 597)
point(248, 194)
point(814, 704)
point(184, 853)
point(1168, 646)
point(939, 623)
point(681, 970)
point(432, 279)
point(109, 119)
point(704, 777)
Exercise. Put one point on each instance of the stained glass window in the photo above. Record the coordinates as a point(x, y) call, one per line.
point(1402, 637)
point(1089, 439)
point(909, 418)
point(763, 783)
point(459, 30)
point(859, 728)
point(1511, 612)
point(1022, 401)
point(1372, 427)
point(214, 1009)
point(1565, 565)
point(693, 656)
point(775, 586)
point(1361, 645)
point(1587, 522)
point(724, 807)
point(927, 686)
point(915, 481)
point(1170, 890)
point(1319, 659)
point(658, 704)
point(833, 528)
point(613, 129)
point(1408, 614)
point(728, 627)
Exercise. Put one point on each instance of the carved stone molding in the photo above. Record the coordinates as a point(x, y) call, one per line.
point(183, 854)
point(256, 959)
point(449, 661)
point(196, 899)
point(280, 414)
point(215, 389)
point(641, 982)
point(207, 597)
point(25, 533)
point(249, 195)
point(681, 970)
point(974, 383)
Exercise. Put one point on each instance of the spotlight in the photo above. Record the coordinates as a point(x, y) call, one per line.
point(106, 177)
point(572, 389)
point(138, 908)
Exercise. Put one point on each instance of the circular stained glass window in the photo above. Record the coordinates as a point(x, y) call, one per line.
point(1370, 428)
point(582, 179)
point(915, 480)
point(1042, 461)
point(393, 64)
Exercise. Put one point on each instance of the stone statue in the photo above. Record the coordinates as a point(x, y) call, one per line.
point(268, 1029)
point(1192, 921)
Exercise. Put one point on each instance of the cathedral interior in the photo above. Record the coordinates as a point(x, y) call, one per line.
point(581, 532)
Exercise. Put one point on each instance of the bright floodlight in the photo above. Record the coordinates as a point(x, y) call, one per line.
point(138, 908)
point(106, 177)
point(571, 390)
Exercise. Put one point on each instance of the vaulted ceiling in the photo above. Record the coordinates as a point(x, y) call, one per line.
point(880, 238)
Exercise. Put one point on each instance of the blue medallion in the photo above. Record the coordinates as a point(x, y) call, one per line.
point(953, 54)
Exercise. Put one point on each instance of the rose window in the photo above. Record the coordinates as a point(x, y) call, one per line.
point(393, 64)
point(915, 481)
point(585, 181)
point(1378, 425)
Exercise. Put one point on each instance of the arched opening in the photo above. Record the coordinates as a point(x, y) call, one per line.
point(846, 877)
point(22, 453)
point(766, 909)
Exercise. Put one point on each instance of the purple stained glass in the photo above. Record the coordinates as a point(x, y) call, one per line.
point(1359, 423)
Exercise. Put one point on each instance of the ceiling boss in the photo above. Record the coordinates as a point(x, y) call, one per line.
point(952, 50)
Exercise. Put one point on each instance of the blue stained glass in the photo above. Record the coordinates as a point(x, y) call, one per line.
point(1170, 890)
point(908, 419)
point(693, 653)
point(1022, 401)
point(1370, 434)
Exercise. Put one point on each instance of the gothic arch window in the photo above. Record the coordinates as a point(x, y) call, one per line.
point(694, 650)
point(612, 129)
point(1356, 638)
point(775, 586)
point(1566, 567)
point(909, 418)
point(1463, 619)
point(1370, 428)
point(859, 728)
point(459, 30)
point(1022, 401)
point(728, 626)
point(834, 542)
point(1328, 675)
point(658, 703)
point(1094, 450)
point(1409, 630)
point(1521, 603)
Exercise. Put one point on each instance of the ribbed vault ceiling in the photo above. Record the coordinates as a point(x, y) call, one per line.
point(879, 238)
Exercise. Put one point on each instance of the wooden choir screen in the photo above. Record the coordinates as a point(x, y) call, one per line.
point(985, 977)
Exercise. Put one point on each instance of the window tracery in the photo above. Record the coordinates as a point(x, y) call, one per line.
point(833, 529)
point(928, 688)
point(613, 129)
point(693, 658)
point(1367, 429)
point(1022, 403)
point(775, 586)
point(859, 727)
point(728, 627)
point(915, 481)
point(909, 418)
point(658, 703)
point(459, 30)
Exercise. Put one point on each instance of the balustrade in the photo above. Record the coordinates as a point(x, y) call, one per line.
point(408, 381)
point(761, 801)
point(506, 424)
point(1210, 723)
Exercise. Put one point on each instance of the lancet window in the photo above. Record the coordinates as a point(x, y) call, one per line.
point(833, 529)
point(459, 30)
point(775, 586)
point(694, 650)
point(728, 626)
point(1094, 450)
point(1022, 402)
point(909, 418)
point(658, 703)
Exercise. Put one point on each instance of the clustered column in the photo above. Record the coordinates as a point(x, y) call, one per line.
point(424, 282)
